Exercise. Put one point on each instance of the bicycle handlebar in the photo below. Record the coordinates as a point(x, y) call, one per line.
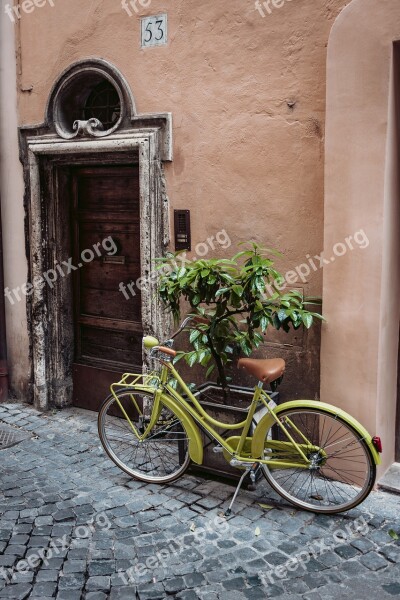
point(166, 347)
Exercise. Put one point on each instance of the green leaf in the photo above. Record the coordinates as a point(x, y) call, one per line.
point(246, 347)
point(307, 320)
point(221, 291)
point(201, 356)
point(178, 357)
point(227, 278)
point(260, 284)
point(206, 358)
point(238, 289)
point(181, 272)
point(210, 370)
point(266, 506)
point(242, 253)
point(192, 358)
point(282, 315)
point(194, 334)
point(393, 534)
point(196, 300)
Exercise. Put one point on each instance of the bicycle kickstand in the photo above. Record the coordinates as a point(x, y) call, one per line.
point(248, 470)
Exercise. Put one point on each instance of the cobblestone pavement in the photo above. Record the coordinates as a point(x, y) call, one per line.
point(73, 526)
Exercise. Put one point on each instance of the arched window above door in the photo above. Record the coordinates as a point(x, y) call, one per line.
point(90, 98)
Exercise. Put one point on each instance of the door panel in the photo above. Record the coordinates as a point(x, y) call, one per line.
point(123, 346)
point(108, 327)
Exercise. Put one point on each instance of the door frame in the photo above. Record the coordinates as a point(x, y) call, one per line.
point(51, 375)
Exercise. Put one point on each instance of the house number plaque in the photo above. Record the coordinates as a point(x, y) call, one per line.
point(154, 31)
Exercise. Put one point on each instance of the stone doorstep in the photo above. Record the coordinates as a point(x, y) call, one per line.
point(390, 482)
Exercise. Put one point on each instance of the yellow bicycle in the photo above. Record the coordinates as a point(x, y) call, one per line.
point(313, 454)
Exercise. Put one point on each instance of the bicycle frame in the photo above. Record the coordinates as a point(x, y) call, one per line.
point(236, 447)
point(208, 423)
point(160, 403)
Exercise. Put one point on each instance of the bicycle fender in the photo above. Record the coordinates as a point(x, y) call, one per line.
point(195, 442)
point(267, 421)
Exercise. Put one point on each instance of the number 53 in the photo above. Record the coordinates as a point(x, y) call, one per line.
point(154, 32)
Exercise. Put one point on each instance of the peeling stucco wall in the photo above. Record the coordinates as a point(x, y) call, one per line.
point(247, 94)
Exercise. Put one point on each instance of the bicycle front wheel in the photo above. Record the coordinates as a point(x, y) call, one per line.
point(341, 473)
point(162, 456)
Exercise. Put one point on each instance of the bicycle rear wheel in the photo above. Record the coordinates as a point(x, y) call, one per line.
point(161, 457)
point(342, 471)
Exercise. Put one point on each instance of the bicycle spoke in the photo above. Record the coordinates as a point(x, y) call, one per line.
point(162, 455)
point(340, 472)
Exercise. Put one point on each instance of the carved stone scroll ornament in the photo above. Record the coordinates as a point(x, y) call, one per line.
point(92, 128)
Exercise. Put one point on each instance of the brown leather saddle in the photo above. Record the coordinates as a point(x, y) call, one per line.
point(264, 369)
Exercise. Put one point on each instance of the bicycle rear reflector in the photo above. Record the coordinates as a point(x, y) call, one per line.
point(377, 442)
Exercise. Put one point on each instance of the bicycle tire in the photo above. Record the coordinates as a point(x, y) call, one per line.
point(337, 486)
point(162, 458)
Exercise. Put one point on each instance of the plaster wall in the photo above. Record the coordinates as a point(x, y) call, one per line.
point(12, 194)
point(360, 338)
point(247, 94)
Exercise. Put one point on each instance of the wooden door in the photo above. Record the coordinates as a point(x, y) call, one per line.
point(107, 322)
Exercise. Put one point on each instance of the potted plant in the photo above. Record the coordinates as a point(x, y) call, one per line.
point(239, 297)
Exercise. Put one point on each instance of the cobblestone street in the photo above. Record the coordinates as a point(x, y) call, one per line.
point(83, 529)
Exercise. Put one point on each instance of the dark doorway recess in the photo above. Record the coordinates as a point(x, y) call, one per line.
point(107, 324)
point(93, 331)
